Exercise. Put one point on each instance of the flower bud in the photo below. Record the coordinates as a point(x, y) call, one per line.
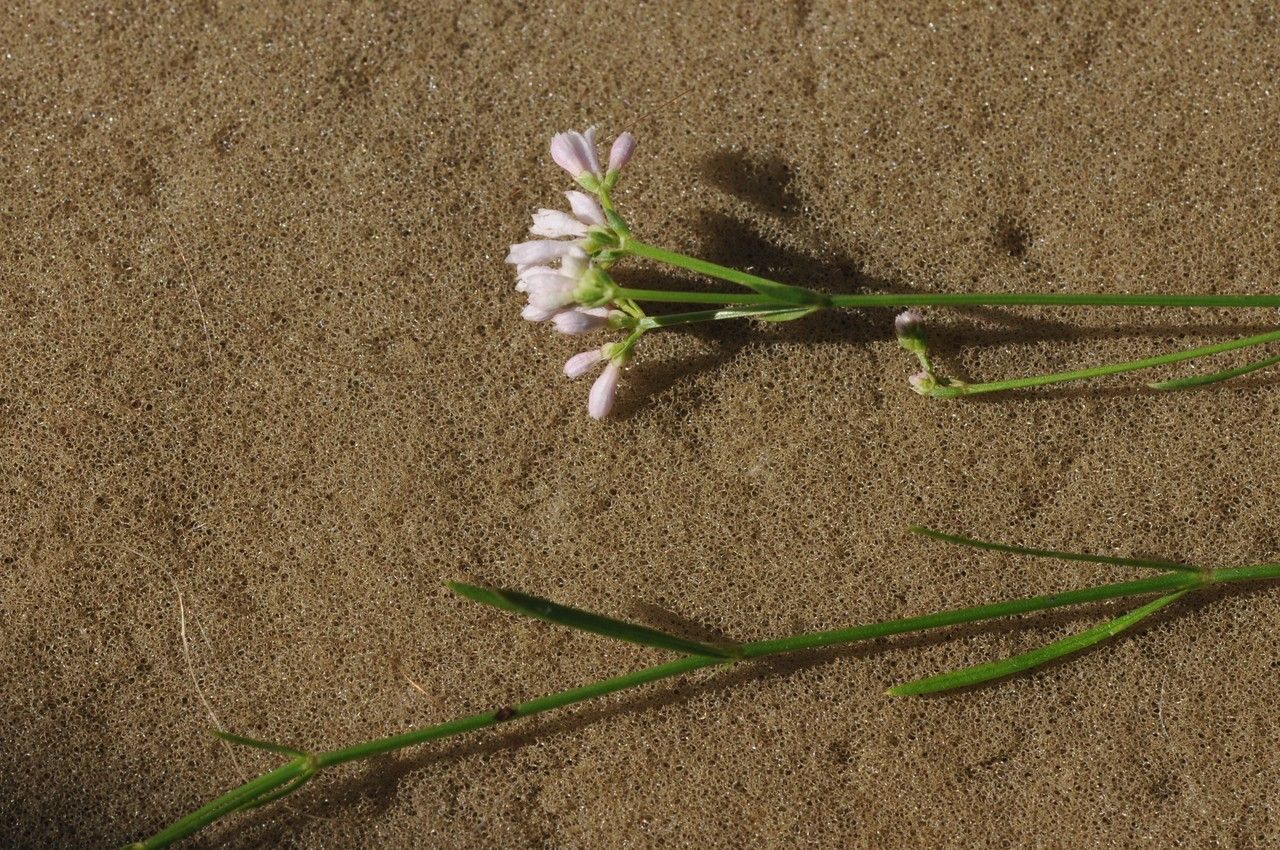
point(620, 154)
point(580, 320)
point(603, 391)
point(923, 383)
point(582, 363)
point(537, 252)
point(909, 328)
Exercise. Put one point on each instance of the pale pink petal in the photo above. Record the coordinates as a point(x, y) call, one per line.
point(585, 207)
point(538, 314)
point(566, 150)
point(524, 272)
point(582, 363)
point(555, 224)
point(620, 154)
point(574, 263)
point(549, 291)
point(537, 252)
point(581, 320)
point(603, 391)
point(585, 143)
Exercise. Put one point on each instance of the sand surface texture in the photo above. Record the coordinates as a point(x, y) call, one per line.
point(265, 388)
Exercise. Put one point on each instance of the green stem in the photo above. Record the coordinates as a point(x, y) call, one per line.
point(681, 297)
point(942, 299)
point(1225, 375)
point(992, 670)
point(1015, 299)
point(269, 783)
point(790, 294)
point(958, 389)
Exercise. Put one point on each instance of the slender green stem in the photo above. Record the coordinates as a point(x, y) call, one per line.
point(269, 784)
point(1156, 584)
point(958, 389)
point(1030, 299)
point(681, 297)
point(1225, 375)
point(783, 292)
point(991, 670)
point(232, 800)
point(1253, 572)
point(942, 299)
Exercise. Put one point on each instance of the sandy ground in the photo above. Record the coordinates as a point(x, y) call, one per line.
point(265, 388)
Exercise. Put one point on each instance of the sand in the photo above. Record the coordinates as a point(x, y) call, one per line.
point(265, 389)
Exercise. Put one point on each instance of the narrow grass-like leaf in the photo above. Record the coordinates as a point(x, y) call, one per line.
point(575, 618)
point(271, 797)
point(1051, 553)
point(1225, 375)
point(256, 744)
point(786, 315)
point(999, 669)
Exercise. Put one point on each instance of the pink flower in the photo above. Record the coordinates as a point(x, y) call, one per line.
point(585, 208)
point(555, 224)
point(576, 153)
point(620, 154)
point(603, 391)
point(527, 272)
point(537, 252)
point(538, 314)
point(581, 320)
point(549, 291)
point(582, 362)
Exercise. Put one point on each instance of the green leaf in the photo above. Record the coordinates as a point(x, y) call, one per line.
point(999, 669)
point(272, 796)
point(575, 618)
point(1226, 375)
point(256, 744)
point(1051, 553)
point(786, 315)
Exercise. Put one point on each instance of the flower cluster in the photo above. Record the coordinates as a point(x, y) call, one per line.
point(562, 272)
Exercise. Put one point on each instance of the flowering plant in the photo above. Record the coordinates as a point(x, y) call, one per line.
point(579, 296)
point(564, 273)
